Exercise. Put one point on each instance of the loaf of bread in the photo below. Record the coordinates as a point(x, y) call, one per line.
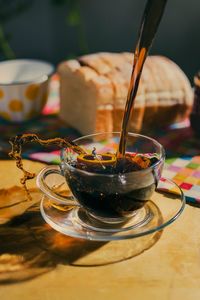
point(93, 92)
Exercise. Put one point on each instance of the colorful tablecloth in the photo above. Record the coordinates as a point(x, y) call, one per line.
point(186, 173)
point(182, 160)
point(181, 146)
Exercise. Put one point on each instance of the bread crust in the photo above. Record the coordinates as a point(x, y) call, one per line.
point(94, 88)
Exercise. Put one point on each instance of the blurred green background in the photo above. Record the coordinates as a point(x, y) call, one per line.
point(54, 30)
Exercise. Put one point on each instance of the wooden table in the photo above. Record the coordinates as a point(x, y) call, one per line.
point(41, 259)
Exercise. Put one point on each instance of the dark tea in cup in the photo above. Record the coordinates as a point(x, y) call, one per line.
point(107, 187)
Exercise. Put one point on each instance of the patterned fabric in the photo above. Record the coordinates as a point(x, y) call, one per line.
point(181, 146)
point(186, 173)
point(181, 166)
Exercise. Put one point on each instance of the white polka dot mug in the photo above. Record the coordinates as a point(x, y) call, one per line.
point(23, 88)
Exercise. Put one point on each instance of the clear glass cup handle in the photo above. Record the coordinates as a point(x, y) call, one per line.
point(43, 186)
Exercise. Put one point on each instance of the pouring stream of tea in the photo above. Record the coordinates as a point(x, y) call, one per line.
point(151, 18)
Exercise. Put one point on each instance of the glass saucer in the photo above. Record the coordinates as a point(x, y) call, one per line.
point(161, 210)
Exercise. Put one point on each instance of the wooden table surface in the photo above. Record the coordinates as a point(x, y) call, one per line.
point(38, 263)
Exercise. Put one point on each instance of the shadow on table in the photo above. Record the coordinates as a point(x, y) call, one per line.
point(30, 247)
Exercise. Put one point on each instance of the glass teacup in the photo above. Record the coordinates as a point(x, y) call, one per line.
point(110, 197)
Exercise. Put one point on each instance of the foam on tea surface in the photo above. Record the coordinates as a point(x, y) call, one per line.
point(109, 164)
